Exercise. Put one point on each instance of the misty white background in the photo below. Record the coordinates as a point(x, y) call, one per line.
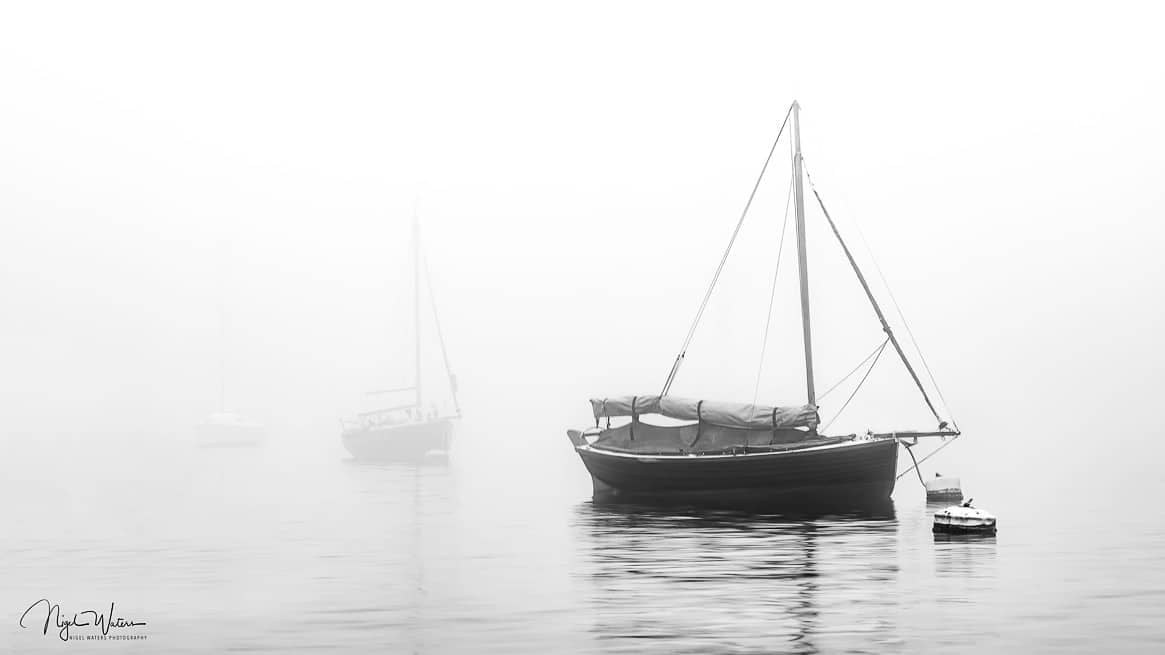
point(578, 170)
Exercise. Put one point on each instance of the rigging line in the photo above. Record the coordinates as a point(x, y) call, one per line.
point(914, 342)
point(437, 323)
point(847, 375)
point(915, 467)
point(897, 309)
point(772, 294)
point(857, 388)
point(724, 258)
point(932, 454)
point(874, 303)
point(906, 324)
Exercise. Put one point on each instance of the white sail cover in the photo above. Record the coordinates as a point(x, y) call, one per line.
point(730, 415)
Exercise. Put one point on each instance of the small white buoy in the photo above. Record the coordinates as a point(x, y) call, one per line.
point(964, 519)
point(943, 488)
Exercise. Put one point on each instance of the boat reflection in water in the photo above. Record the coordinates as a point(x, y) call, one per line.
point(696, 580)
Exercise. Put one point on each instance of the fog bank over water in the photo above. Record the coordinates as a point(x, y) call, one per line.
point(577, 174)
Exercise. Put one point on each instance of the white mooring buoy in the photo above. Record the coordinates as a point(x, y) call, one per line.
point(964, 519)
point(942, 487)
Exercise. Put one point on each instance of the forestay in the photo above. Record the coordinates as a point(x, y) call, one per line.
point(712, 412)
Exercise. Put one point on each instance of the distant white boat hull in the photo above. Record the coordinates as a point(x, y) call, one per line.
point(405, 442)
point(237, 435)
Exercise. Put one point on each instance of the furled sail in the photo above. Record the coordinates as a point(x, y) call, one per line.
point(725, 414)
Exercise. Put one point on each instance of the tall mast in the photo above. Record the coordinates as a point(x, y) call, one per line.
point(802, 259)
point(417, 302)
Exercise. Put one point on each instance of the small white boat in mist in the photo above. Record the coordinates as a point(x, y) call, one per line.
point(415, 431)
point(229, 429)
point(226, 428)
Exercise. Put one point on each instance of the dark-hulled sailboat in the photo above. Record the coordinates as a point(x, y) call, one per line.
point(407, 432)
point(745, 454)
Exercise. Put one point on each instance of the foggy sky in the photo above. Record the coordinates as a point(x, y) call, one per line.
point(577, 170)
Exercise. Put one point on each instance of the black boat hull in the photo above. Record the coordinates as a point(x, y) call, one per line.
point(850, 474)
point(409, 442)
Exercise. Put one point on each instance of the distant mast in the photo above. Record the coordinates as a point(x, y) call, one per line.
point(802, 259)
point(222, 355)
point(417, 303)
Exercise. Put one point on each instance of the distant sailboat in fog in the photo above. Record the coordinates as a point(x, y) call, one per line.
point(407, 431)
point(227, 428)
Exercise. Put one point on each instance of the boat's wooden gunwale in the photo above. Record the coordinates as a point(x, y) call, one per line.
point(690, 456)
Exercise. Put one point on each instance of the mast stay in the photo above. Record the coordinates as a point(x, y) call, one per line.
point(440, 335)
point(760, 366)
point(675, 368)
point(877, 309)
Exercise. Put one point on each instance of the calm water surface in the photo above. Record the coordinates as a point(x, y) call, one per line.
point(281, 549)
